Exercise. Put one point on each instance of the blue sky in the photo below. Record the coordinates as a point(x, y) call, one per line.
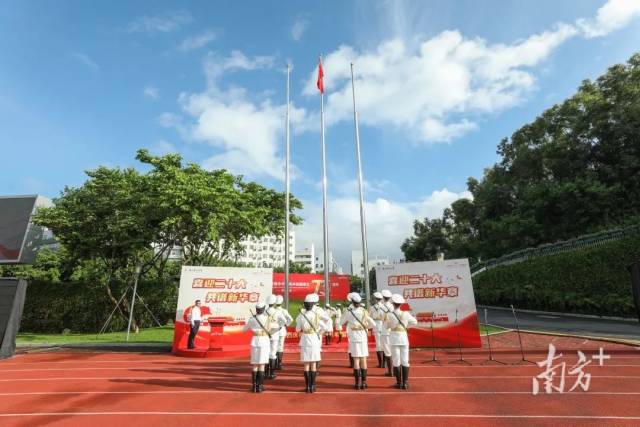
point(439, 83)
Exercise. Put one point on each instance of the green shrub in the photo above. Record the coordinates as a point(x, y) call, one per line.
point(592, 280)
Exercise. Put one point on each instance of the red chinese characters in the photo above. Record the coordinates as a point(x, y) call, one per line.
point(232, 297)
point(415, 279)
point(439, 292)
point(200, 283)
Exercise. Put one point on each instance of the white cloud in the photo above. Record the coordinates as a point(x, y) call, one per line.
point(196, 42)
point(614, 15)
point(85, 60)
point(151, 92)
point(163, 147)
point(389, 223)
point(299, 27)
point(427, 88)
point(246, 133)
point(164, 23)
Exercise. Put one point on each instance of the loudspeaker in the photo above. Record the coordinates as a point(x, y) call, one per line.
point(12, 294)
point(634, 269)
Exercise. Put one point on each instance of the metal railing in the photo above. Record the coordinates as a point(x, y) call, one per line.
point(553, 248)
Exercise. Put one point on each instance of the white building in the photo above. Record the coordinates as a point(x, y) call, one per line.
point(267, 251)
point(357, 262)
point(307, 257)
point(319, 263)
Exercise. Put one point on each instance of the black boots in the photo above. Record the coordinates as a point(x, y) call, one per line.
point(397, 371)
point(405, 377)
point(350, 361)
point(312, 381)
point(356, 375)
point(258, 385)
point(384, 359)
point(279, 361)
point(387, 361)
point(339, 337)
point(363, 379)
point(379, 355)
point(272, 369)
point(254, 381)
point(307, 381)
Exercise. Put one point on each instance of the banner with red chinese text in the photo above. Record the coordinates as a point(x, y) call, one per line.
point(301, 284)
point(226, 295)
point(437, 293)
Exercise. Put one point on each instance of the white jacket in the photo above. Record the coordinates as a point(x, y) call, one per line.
point(260, 336)
point(398, 329)
point(358, 321)
point(311, 325)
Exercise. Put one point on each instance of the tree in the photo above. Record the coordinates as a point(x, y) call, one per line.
point(120, 219)
point(294, 267)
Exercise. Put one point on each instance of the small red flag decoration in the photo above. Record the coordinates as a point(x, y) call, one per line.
point(320, 82)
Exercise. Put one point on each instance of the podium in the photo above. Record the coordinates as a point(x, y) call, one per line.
point(216, 338)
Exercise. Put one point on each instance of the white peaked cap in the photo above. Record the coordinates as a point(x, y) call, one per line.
point(260, 305)
point(327, 305)
point(279, 299)
point(309, 298)
point(356, 298)
point(271, 300)
point(397, 299)
point(377, 295)
point(386, 293)
point(316, 298)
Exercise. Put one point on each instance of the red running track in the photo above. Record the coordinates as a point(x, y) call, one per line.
point(111, 389)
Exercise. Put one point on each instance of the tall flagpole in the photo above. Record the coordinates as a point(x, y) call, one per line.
point(325, 225)
point(363, 224)
point(286, 209)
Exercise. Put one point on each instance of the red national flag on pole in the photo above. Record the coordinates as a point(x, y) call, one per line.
point(320, 82)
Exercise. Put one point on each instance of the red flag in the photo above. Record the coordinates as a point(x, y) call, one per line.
point(320, 82)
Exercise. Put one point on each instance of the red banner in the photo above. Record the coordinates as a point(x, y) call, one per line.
point(301, 284)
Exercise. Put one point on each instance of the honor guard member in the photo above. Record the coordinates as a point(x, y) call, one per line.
point(283, 331)
point(258, 324)
point(276, 320)
point(311, 325)
point(344, 314)
point(377, 314)
point(336, 321)
point(358, 321)
point(328, 325)
point(387, 307)
point(397, 322)
point(331, 313)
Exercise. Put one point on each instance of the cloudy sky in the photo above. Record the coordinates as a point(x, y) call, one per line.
point(438, 84)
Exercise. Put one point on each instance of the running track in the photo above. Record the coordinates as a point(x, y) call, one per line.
point(125, 389)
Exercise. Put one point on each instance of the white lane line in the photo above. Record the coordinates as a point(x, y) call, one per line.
point(247, 368)
point(324, 414)
point(369, 392)
point(212, 378)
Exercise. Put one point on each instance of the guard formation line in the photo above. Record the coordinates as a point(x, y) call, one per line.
point(388, 322)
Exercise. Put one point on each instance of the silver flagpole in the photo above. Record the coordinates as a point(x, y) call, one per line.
point(325, 225)
point(363, 224)
point(286, 209)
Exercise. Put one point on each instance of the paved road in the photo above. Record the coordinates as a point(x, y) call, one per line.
point(627, 329)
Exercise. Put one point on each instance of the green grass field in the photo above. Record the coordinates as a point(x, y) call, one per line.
point(162, 335)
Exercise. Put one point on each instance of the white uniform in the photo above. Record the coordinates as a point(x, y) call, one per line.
point(337, 316)
point(387, 308)
point(377, 314)
point(276, 322)
point(358, 321)
point(260, 340)
point(398, 335)
point(311, 325)
point(283, 331)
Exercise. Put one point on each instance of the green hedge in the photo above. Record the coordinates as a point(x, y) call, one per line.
point(593, 280)
point(52, 307)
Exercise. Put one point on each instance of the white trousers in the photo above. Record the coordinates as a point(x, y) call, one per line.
point(273, 348)
point(281, 342)
point(400, 355)
point(378, 337)
point(386, 347)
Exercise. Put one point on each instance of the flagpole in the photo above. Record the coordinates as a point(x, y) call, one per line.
point(325, 225)
point(286, 209)
point(363, 224)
